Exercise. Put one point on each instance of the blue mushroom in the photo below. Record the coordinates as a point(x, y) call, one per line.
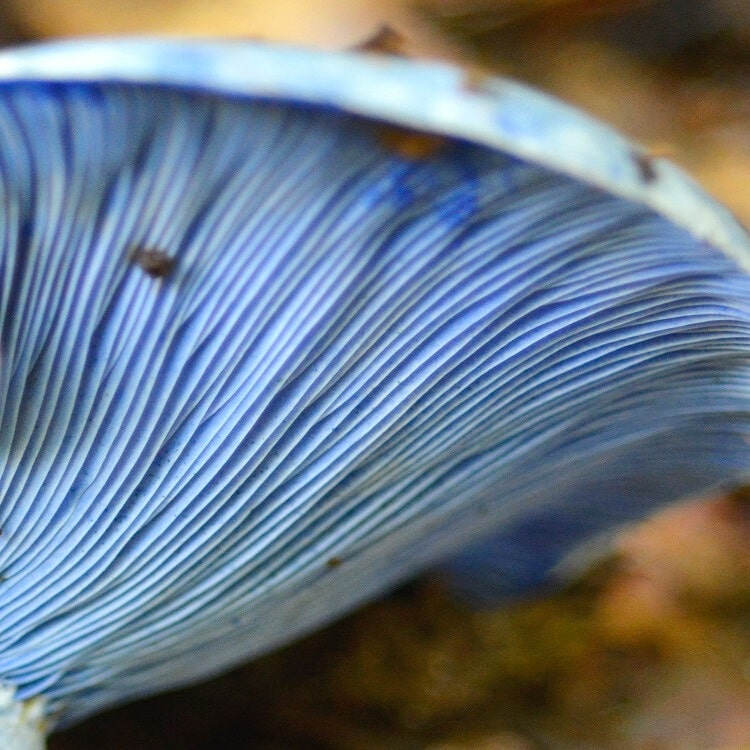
point(280, 329)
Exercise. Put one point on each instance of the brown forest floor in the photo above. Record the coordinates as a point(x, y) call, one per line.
point(652, 650)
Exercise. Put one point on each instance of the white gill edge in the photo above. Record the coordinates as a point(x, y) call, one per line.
point(22, 723)
point(433, 97)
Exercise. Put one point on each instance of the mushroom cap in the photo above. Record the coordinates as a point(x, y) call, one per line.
point(262, 358)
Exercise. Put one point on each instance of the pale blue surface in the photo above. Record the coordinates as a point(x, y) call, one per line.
point(356, 357)
point(431, 96)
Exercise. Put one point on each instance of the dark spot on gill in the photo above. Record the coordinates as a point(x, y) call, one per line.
point(385, 41)
point(156, 263)
point(333, 562)
point(644, 163)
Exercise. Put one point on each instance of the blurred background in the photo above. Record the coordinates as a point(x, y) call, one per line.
point(651, 651)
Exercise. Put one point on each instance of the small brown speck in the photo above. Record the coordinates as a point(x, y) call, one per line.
point(385, 41)
point(410, 144)
point(156, 263)
point(476, 80)
point(333, 562)
point(645, 165)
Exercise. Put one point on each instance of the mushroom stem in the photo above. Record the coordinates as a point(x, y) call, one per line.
point(21, 722)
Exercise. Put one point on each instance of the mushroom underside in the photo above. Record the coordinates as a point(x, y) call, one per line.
point(240, 340)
